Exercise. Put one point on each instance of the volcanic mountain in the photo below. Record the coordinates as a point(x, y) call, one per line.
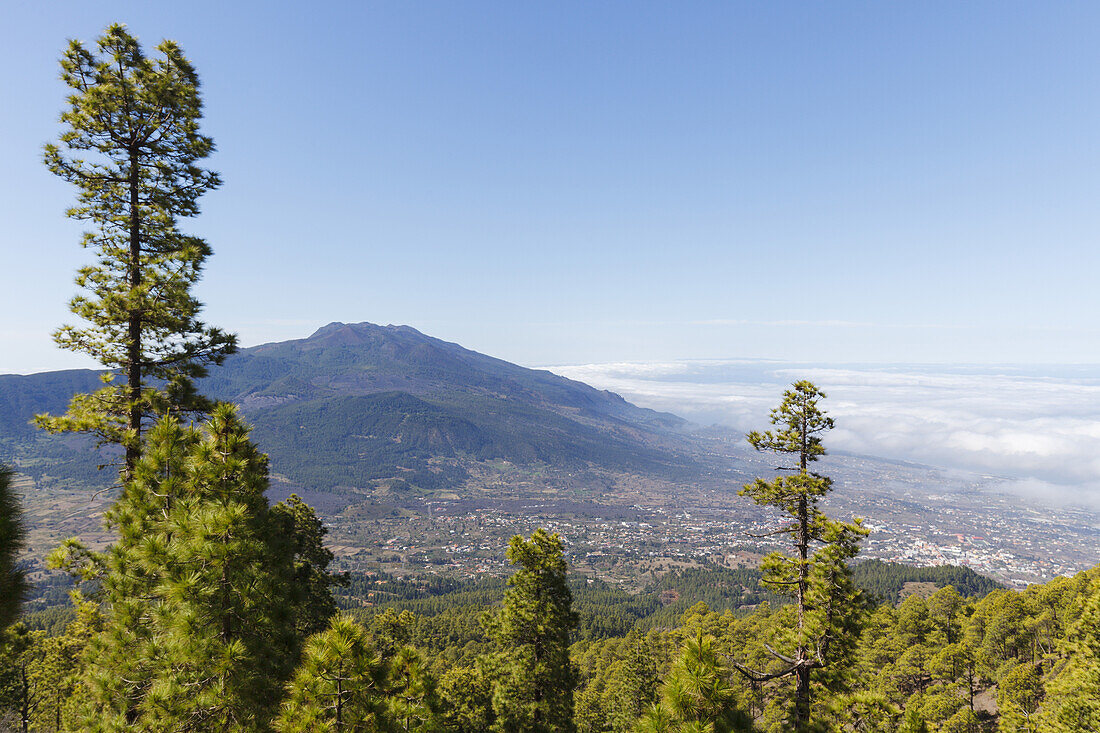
point(357, 404)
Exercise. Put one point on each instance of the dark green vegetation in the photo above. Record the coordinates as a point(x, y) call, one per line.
point(13, 578)
point(924, 659)
point(355, 403)
point(606, 611)
point(424, 441)
point(49, 460)
point(886, 581)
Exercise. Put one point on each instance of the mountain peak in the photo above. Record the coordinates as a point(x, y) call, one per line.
point(365, 358)
point(362, 328)
point(326, 329)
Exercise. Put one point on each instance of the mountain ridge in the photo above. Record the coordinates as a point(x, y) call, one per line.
point(381, 402)
point(435, 365)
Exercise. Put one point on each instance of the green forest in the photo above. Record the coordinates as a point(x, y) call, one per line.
point(213, 609)
point(542, 652)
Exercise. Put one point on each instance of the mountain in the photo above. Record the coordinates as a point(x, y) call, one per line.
point(51, 458)
point(362, 358)
point(357, 404)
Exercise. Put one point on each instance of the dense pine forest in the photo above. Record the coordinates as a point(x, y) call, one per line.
point(450, 656)
point(213, 609)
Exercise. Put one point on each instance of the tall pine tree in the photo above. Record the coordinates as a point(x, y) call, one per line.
point(534, 691)
point(828, 607)
point(200, 599)
point(132, 145)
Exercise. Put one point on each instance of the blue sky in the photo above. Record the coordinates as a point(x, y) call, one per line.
point(583, 182)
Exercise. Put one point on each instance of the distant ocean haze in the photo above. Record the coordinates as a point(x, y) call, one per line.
point(1035, 427)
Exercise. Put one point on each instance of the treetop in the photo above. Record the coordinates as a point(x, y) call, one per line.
point(801, 424)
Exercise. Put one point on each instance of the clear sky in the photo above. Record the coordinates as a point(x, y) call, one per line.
point(581, 182)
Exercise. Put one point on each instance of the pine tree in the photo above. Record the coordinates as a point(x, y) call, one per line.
point(964, 721)
point(410, 691)
point(466, 700)
point(131, 145)
point(13, 580)
point(696, 694)
point(390, 631)
point(131, 573)
point(1073, 693)
point(866, 712)
point(913, 723)
point(636, 683)
point(827, 604)
point(40, 674)
point(534, 691)
point(12, 642)
point(313, 583)
point(53, 668)
point(344, 684)
point(21, 693)
point(339, 686)
point(1019, 695)
point(200, 629)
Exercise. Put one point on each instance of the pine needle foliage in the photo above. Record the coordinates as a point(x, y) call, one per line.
point(696, 694)
point(131, 145)
point(13, 533)
point(339, 685)
point(313, 583)
point(1073, 694)
point(410, 691)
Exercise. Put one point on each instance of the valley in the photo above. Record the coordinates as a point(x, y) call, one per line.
point(425, 458)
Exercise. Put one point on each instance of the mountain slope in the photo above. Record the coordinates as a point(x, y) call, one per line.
point(362, 358)
point(355, 404)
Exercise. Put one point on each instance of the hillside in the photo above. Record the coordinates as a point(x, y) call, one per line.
point(358, 359)
point(355, 404)
point(42, 456)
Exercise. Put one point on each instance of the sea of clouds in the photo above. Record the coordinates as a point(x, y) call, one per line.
point(1035, 427)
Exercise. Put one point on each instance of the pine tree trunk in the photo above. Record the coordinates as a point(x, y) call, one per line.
point(25, 712)
point(802, 673)
point(802, 699)
point(133, 335)
point(339, 704)
point(538, 683)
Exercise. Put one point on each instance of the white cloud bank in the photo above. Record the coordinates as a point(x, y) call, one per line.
point(1037, 427)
